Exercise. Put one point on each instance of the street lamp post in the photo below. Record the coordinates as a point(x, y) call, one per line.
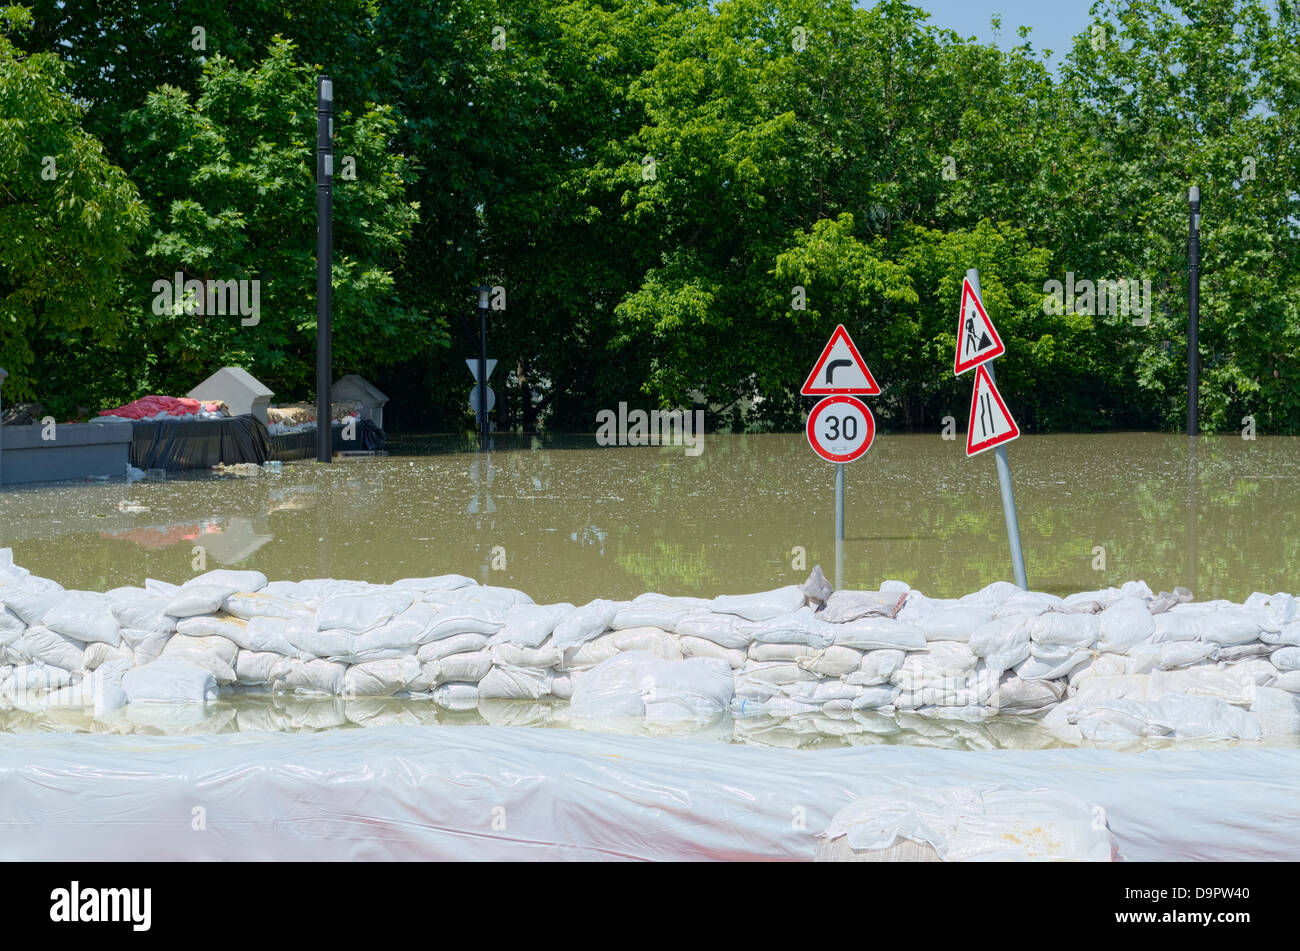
point(484, 292)
point(324, 255)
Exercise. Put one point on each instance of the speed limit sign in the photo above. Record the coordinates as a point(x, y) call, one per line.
point(841, 428)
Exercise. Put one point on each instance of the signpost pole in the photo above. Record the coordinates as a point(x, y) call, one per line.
point(839, 525)
point(1193, 309)
point(324, 253)
point(1004, 477)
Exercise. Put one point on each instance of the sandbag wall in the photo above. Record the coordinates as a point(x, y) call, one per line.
point(1107, 665)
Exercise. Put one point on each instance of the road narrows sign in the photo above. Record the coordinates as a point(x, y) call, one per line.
point(840, 369)
point(840, 428)
point(990, 420)
point(977, 340)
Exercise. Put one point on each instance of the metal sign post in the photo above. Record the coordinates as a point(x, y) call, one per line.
point(1004, 475)
point(324, 254)
point(839, 525)
point(1193, 310)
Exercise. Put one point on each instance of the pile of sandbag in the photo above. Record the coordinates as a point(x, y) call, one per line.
point(1112, 665)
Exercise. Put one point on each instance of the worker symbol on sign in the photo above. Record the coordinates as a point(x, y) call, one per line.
point(977, 340)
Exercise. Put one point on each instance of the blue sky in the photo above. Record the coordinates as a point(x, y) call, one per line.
point(1054, 22)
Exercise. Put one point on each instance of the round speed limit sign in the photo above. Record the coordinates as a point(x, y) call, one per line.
point(841, 428)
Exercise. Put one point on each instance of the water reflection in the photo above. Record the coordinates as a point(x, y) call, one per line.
point(566, 521)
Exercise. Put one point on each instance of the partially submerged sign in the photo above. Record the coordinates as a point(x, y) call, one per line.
point(840, 369)
point(990, 420)
point(840, 428)
point(977, 339)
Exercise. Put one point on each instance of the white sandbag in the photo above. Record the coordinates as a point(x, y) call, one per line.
point(562, 686)
point(31, 606)
point(258, 633)
point(843, 606)
point(1173, 654)
point(796, 627)
point(1209, 718)
point(407, 630)
point(955, 623)
point(99, 654)
point(380, 678)
point(582, 624)
point(1230, 625)
point(820, 691)
point(776, 672)
point(1286, 658)
point(198, 599)
point(700, 647)
point(1002, 643)
point(85, 617)
point(465, 668)
point(1288, 680)
point(147, 646)
point(833, 661)
point(11, 626)
point(260, 667)
point(145, 614)
point(1038, 668)
point(980, 824)
point(545, 656)
point(663, 614)
point(1276, 610)
point(245, 605)
point(992, 595)
point(456, 619)
point(304, 637)
point(1101, 665)
point(100, 692)
point(638, 683)
point(1232, 653)
point(1027, 602)
point(1067, 630)
point(1229, 684)
point(876, 633)
point(791, 653)
point(456, 644)
point(877, 667)
point(722, 629)
point(167, 680)
point(652, 640)
point(1082, 601)
point(761, 606)
point(361, 612)
point(590, 653)
point(315, 677)
point(31, 682)
point(1277, 711)
point(944, 660)
point(1016, 696)
point(164, 589)
point(495, 596)
point(41, 645)
point(528, 625)
point(437, 583)
point(249, 581)
point(504, 682)
point(211, 652)
point(1125, 623)
point(456, 697)
point(221, 625)
point(1289, 635)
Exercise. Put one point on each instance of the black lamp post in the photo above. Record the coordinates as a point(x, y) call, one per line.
point(324, 255)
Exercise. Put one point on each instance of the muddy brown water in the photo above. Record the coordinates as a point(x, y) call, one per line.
point(571, 521)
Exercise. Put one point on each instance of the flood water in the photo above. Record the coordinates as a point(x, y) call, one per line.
point(570, 521)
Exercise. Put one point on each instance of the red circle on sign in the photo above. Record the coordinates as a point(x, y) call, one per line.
point(840, 428)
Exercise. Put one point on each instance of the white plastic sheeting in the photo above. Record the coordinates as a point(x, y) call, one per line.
point(505, 793)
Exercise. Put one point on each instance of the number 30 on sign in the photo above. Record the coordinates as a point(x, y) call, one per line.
point(840, 428)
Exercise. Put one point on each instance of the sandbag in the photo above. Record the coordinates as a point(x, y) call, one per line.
point(955, 623)
point(39, 644)
point(504, 682)
point(700, 647)
point(843, 606)
point(465, 668)
point(85, 617)
point(582, 624)
point(168, 680)
point(1286, 658)
point(361, 612)
point(260, 667)
point(1277, 711)
point(380, 678)
point(249, 581)
point(198, 599)
point(1067, 630)
point(878, 633)
point(761, 606)
point(509, 654)
point(528, 625)
point(456, 644)
point(147, 646)
point(638, 683)
point(145, 614)
point(652, 640)
point(722, 629)
point(1125, 623)
point(31, 606)
point(590, 653)
point(315, 677)
point(244, 605)
point(660, 613)
point(456, 697)
point(99, 654)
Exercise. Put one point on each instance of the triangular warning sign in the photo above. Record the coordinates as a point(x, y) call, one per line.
point(977, 341)
point(840, 369)
point(990, 420)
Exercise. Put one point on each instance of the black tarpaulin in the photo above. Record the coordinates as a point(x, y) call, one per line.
point(199, 443)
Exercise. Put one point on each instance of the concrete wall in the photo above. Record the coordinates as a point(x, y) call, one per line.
point(77, 451)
